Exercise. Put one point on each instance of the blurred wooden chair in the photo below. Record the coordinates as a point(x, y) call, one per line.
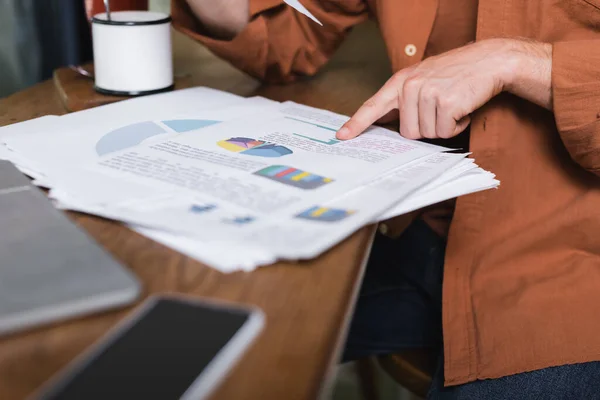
point(411, 369)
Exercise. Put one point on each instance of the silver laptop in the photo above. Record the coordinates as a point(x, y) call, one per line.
point(50, 269)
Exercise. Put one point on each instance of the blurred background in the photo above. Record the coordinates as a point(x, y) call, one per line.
point(38, 36)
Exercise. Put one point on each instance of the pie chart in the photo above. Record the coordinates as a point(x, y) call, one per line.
point(134, 134)
point(253, 147)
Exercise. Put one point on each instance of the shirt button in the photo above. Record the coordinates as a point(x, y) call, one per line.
point(410, 50)
point(383, 229)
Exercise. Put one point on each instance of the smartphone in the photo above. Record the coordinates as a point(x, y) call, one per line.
point(172, 347)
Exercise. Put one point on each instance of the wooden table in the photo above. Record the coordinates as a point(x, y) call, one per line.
point(307, 305)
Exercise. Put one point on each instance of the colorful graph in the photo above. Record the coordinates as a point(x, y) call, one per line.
point(310, 123)
point(201, 209)
point(293, 177)
point(134, 134)
point(325, 214)
point(253, 147)
point(328, 142)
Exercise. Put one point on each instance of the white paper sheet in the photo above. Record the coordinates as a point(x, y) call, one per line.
point(300, 8)
point(288, 237)
point(185, 171)
point(218, 255)
point(467, 184)
point(40, 124)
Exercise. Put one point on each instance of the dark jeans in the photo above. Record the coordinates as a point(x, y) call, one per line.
point(399, 308)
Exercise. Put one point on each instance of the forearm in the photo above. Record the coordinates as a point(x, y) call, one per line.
point(223, 19)
point(531, 75)
point(266, 38)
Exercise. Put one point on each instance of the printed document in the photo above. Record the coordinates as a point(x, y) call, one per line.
point(204, 171)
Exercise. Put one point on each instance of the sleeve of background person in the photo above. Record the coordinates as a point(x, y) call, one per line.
point(576, 99)
point(279, 44)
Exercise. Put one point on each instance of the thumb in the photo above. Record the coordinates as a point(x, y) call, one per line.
point(462, 124)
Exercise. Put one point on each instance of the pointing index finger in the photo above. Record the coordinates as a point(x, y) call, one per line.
point(373, 109)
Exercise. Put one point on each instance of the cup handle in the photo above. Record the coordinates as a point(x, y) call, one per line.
point(82, 71)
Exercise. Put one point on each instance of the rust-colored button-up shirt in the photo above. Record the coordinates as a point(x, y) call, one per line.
point(522, 272)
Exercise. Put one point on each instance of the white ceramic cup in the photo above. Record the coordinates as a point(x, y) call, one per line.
point(132, 53)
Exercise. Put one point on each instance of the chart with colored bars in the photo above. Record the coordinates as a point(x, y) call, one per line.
point(325, 140)
point(293, 177)
point(253, 147)
point(325, 214)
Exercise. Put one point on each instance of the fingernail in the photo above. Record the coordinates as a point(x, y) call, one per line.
point(343, 133)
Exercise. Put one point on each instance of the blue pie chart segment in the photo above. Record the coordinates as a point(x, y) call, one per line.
point(127, 136)
point(186, 125)
point(268, 150)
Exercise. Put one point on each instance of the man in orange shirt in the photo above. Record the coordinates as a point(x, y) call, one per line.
point(519, 303)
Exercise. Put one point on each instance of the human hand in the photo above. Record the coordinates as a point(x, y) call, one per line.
point(435, 98)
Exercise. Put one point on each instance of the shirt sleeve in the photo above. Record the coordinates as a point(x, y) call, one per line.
point(576, 99)
point(279, 44)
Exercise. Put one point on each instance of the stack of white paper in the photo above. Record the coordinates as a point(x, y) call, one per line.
point(235, 183)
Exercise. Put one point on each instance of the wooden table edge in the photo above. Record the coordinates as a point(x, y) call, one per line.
point(326, 388)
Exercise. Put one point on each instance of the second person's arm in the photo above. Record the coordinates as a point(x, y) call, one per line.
point(266, 38)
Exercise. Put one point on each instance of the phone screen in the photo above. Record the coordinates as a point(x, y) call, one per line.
point(158, 357)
